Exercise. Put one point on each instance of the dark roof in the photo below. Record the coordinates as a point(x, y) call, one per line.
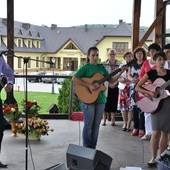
point(53, 38)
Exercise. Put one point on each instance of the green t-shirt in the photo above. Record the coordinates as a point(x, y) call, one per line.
point(87, 71)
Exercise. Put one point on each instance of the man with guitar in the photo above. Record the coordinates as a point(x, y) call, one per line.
point(159, 78)
point(7, 71)
point(89, 88)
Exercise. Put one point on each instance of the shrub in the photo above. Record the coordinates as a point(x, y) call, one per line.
point(64, 98)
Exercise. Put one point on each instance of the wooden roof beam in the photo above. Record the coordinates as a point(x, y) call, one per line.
point(159, 5)
point(10, 32)
point(136, 23)
point(151, 28)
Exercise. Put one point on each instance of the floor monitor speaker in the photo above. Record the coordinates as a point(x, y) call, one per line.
point(57, 167)
point(82, 158)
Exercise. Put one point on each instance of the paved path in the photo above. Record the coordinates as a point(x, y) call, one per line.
point(50, 150)
point(20, 84)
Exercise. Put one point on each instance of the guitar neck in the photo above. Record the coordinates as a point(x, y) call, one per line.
point(116, 71)
point(165, 84)
point(110, 75)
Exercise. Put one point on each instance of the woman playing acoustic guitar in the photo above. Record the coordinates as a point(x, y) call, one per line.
point(85, 88)
point(161, 116)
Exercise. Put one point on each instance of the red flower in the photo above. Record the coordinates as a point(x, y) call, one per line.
point(11, 112)
point(31, 106)
point(7, 110)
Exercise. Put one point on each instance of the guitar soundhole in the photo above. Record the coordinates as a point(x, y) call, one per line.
point(96, 84)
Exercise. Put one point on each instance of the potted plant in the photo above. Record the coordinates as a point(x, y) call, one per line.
point(36, 127)
point(12, 114)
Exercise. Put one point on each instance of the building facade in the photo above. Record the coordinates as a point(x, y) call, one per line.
point(67, 45)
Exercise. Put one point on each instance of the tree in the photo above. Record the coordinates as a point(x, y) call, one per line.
point(64, 98)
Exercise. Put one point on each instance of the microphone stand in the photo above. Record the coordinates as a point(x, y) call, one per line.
point(25, 61)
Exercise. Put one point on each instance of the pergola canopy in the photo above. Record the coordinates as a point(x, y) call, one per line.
point(158, 26)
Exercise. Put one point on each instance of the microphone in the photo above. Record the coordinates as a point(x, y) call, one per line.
point(3, 52)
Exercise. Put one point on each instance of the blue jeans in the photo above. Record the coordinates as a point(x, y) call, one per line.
point(92, 118)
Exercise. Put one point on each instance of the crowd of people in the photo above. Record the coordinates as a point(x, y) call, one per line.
point(123, 86)
point(117, 87)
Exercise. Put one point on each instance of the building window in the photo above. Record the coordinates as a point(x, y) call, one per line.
point(0, 40)
point(37, 62)
point(70, 46)
point(20, 32)
point(29, 44)
point(59, 63)
point(43, 64)
point(38, 44)
point(29, 63)
point(19, 62)
point(19, 43)
point(120, 47)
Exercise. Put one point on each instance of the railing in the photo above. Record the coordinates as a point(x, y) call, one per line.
point(41, 76)
point(54, 76)
point(118, 116)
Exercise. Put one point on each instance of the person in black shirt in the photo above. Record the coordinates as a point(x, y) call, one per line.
point(159, 118)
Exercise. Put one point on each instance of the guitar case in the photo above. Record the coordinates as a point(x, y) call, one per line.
point(9, 99)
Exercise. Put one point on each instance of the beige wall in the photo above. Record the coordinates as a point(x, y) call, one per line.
point(103, 45)
point(106, 43)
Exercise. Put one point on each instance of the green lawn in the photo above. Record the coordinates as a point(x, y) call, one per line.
point(44, 99)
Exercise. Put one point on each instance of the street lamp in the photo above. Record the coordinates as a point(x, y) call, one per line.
point(52, 88)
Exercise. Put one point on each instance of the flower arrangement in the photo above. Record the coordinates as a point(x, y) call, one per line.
point(11, 112)
point(31, 106)
point(36, 126)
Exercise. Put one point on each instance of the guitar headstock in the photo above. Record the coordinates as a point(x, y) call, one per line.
point(130, 63)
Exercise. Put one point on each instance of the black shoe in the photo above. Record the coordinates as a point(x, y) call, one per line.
point(103, 124)
point(3, 165)
point(151, 164)
point(112, 124)
point(128, 130)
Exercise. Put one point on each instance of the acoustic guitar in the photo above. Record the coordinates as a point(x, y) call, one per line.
point(150, 105)
point(86, 95)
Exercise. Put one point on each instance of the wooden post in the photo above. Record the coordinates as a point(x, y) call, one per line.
point(151, 28)
point(10, 32)
point(10, 45)
point(136, 23)
point(158, 25)
point(158, 28)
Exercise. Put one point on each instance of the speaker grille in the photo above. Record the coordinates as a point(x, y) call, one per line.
point(82, 158)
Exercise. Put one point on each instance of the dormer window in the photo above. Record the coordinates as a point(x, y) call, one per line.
point(19, 43)
point(38, 44)
point(38, 34)
point(29, 44)
point(20, 32)
point(0, 41)
point(70, 46)
point(29, 34)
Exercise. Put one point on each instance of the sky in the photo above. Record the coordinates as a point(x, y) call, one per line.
point(66, 13)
